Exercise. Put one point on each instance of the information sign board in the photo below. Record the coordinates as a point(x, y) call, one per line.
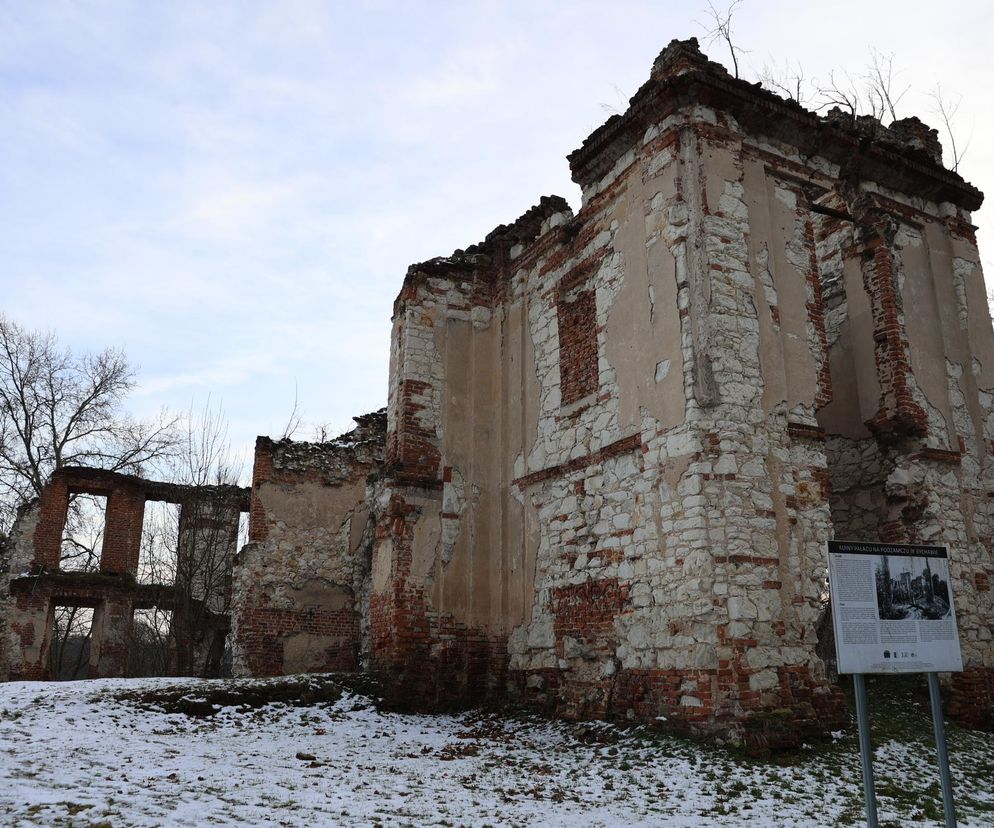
point(892, 608)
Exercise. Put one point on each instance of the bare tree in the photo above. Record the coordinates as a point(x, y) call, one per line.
point(877, 94)
point(946, 110)
point(148, 654)
point(719, 27)
point(207, 540)
point(621, 104)
point(294, 420)
point(880, 80)
point(151, 632)
point(790, 81)
point(81, 543)
point(846, 93)
point(58, 409)
point(70, 650)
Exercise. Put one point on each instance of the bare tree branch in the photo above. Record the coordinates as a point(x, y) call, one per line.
point(880, 80)
point(294, 420)
point(844, 94)
point(191, 546)
point(721, 29)
point(788, 80)
point(946, 110)
point(59, 409)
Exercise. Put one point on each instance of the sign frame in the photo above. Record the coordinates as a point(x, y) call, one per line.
point(900, 606)
point(893, 609)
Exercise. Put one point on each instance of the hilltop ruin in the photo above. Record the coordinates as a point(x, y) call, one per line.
point(617, 442)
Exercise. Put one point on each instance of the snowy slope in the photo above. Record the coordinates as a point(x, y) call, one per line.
point(80, 754)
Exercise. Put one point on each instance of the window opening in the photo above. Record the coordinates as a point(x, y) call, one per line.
point(83, 536)
point(151, 641)
point(69, 655)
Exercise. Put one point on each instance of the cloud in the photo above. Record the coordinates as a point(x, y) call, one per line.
point(224, 208)
point(234, 191)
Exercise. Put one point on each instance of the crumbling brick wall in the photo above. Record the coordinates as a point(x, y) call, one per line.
point(16, 556)
point(301, 585)
point(909, 429)
point(32, 583)
point(618, 441)
point(445, 594)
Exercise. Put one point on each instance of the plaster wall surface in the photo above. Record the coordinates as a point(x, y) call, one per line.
point(301, 586)
point(618, 441)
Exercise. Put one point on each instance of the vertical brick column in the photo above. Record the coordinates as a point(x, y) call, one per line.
point(123, 531)
point(31, 627)
point(417, 456)
point(54, 506)
point(262, 470)
point(413, 439)
point(110, 638)
point(899, 413)
point(399, 628)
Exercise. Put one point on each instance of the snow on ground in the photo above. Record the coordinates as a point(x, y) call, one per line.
point(109, 753)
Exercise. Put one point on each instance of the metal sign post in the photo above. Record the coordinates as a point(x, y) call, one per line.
point(940, 747)
point(892, 612)
point(865, 749)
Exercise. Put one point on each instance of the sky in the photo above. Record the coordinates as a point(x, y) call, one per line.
point(232, 191)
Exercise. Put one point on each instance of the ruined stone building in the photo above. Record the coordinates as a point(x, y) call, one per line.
point(617, 442)
point(33, 584)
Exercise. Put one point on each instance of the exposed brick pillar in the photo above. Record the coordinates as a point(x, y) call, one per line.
point(899, 414)
point(399, 638)
point(417, 457)
point(54, 506)
point(816, 312)
point(31, 625)
point(110, 638)
point(123, 531)
point(413, 448)
point(262, 471)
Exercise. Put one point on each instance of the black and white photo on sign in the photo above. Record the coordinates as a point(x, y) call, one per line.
point(912, 588)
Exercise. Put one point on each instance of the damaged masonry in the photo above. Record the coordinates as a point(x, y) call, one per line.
point(32, 584)
point(617, 442)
